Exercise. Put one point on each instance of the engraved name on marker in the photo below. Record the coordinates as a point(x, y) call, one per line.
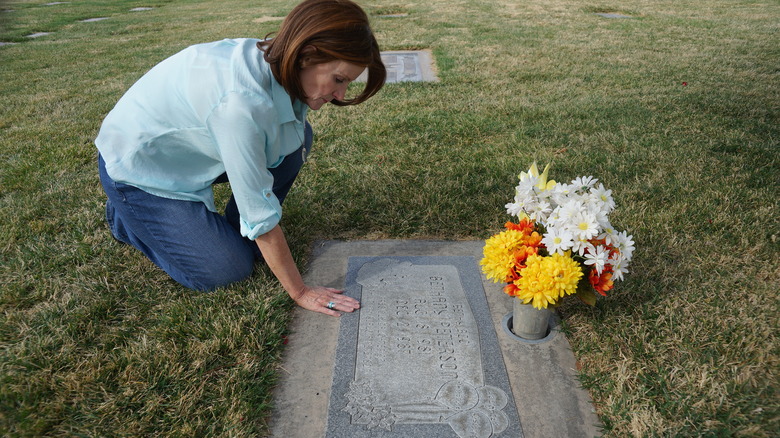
point(418, 356)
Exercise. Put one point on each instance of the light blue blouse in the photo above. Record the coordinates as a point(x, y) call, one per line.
point(211, 108)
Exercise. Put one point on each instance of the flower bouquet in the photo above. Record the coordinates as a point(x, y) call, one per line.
point(562, 243)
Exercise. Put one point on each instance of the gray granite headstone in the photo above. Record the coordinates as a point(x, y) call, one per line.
point(421, 357)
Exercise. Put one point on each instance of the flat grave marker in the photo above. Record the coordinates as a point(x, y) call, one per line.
point(421, 357)
point(612, 15)
point(406, 66)
point(267, 19)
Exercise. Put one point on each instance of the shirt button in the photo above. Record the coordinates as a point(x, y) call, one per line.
point(267, 195)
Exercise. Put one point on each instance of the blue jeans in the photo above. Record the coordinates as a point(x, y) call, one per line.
point(198, 248)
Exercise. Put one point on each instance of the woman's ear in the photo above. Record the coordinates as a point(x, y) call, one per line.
point(305, 55)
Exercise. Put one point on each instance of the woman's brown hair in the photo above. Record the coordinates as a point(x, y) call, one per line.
point(338, 30)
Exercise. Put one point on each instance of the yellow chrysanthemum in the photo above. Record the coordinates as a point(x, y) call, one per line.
point(499, 255)
point(547, 279)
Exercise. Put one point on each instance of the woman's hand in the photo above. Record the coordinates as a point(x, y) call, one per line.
point(318, 298)
point(277, 256)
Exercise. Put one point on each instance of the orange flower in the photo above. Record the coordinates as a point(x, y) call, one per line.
point(523, 253)
point(535, 239)
point(525, 225)
point(511, 290)
point(602, 283)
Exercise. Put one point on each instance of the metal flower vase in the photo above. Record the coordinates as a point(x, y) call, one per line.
point(529, 322)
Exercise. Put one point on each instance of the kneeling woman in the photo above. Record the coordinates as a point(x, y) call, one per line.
point(233, 110)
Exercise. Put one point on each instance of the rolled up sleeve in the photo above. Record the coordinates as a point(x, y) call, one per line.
point(245, 129)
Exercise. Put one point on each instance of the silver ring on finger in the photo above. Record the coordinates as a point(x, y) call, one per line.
point(331, 305)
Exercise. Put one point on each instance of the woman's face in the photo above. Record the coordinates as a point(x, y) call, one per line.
point(327, 81)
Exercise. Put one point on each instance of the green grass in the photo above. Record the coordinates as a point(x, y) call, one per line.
point(95, 341)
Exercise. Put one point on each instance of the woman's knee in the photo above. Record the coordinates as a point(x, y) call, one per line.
point(218, 274)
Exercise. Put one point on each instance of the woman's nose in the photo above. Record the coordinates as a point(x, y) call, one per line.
point(340, 92)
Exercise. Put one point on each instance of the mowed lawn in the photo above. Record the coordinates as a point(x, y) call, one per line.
point(675, 109)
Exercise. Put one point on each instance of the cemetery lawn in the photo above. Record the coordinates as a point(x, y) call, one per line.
point(676, 110)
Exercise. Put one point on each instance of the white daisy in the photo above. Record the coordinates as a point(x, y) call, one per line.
point(603, 196)
point(596, 257)
point(608, 234)
point(544, 193)
point(625, 244)
point(514, 208)
point(558, 240)
point(524, 201)
point(526, 185)
point(561, 193)
point(580, 246)
point(539, 211)
point(569, 211)
point(554, 219)
point(602, 219)
point(619, 267)
point(584, 226)
point(583, 183)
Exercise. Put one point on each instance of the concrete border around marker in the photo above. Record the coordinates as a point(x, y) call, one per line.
point(550, 401)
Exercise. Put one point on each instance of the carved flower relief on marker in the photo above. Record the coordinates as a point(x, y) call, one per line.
point(471, 411)
point(363, 408)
